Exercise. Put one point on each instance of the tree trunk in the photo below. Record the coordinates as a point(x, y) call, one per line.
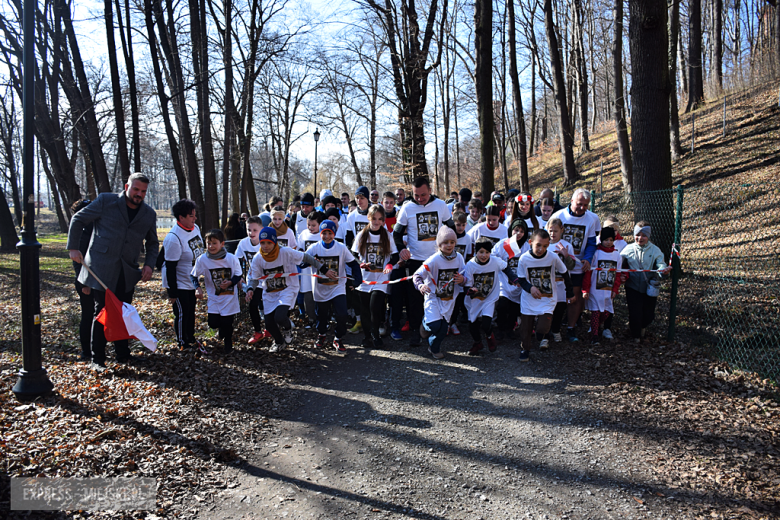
point(517, 99)
point(116, 91)
point(695, 73)
point(8, 236)
point(483, 76)
point(532, 134)
point(649, 42)
point(624, 149)
point(227, 146)
point(717, 42)
point(61, 218)
point(127, 51)
point(570, 174)
point(582, 74)
point(674, 111)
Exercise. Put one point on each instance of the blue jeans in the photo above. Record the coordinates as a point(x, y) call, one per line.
point(324, 310)
point(438, 330)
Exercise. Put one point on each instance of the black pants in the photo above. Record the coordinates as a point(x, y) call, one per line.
point(224, 324)
point(324, 311)
point(184, 317)
point(507, 312)
point(557, 317)
point(528, 323)
point(399, 297)
point(641, 311)
point(87, 304)
point(481, 324)
point(460, 306)
point(372, 312)
point(277, 322)
point(415, 310)
point(121, 347)
point(255, 306)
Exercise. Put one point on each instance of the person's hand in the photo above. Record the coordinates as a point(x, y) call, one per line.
point(225, 284)
point(86, 290)
point(536, 293)
point(562, 251)
point(405, 254)
point(199, 293)
point(472, 292)
point(585, 295)
point(172, 300)
point(146, 273)
point(76, 256)
point(614, 295)
point(388, 269)
point(424, 289)
point(248, 297)
point(365, 266)
point(585, 265)
point(667, 269)
point(333, 275)
point(458, 279)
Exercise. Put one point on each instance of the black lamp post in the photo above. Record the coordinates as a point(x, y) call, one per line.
point(33, 381)
point(316, 139)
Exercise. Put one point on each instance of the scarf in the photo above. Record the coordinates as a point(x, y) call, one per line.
point(222, 253)
point(273, 255)
point(281, 230)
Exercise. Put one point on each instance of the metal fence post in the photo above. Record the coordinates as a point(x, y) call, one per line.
point(675, 260)
point(593, 201)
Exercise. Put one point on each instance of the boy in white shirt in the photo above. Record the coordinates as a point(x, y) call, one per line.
point(306, 238)
point(245, 252)
point(492, 229)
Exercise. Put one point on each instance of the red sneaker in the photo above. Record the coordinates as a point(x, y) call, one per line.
point(474, 351)
point(491, 341)
point(257, 337)
point(405, 328)
point(339, 345)
point(266, 334)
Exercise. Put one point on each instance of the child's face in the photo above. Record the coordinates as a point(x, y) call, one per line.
point(277, 219)
point(214, 246)
point(509, 205)
point(539, 245)
point(327, 236)
point(328, 206)
point(608, 242)
point(377, 221)
point(474, 214)
point(525, 206)
point(253, 230)
point(483, 255)
point(266, 246)
point(547, 212)
point(388, 204)
point(460, 227)
point(518, 232)
point(641, 239)
point(492, 221)
point(335, 220)
point(555, 233)
point(313, 226)
point(362, 202)
point(447, 247)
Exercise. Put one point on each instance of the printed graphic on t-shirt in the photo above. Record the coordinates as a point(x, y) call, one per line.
point(541, 278)
point(445, 287)
point(493, 240)
point(308, 244)
point(461, 248)
point(282, 242)
point(512, 262)
point(332, 263)
point(275, 284)
point(248, 256)
point(219, 275)
point(196, 246)
point(575, 235)
point(483, 283)
point(360, 226)
point(427, 226)
point(375, 258)
point(606, 279)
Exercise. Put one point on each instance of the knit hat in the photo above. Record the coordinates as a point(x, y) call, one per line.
point(445, 233)
point(465, 195)
point(325, 193)
point(515, 223)
point(329, 225)
point(483, 244)
point(268, 233)
point(332, 212)
point(511, 194)
point(362, 191)
point(307, 199)
point(266, 219)
point(606, 233)
point(329, 199)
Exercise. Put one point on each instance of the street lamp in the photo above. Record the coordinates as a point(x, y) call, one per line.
point(316, 138)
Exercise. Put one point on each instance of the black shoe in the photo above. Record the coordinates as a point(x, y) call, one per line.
point(84, 358)
point(367, 343)
point(524, 356)
point(132, 360)
point(415, 340)
point(378, 343)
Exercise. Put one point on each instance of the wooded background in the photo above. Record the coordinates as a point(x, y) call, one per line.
point(217, 100)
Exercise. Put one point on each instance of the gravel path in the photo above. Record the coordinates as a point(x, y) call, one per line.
point(395, 434)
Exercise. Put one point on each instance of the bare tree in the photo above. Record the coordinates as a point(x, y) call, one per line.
point(695, 72)
point(522, 156)
point(621, 128)
point(674, 110)
point(116, 90)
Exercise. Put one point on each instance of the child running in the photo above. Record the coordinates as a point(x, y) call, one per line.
point(245, 251)
point(509, 250)
point(492, 229)
point(463, 246)
point(600, 285)
point(222, 273)
point(439, 280)
point(306, 238)
point(285, 236)
point(566, 253)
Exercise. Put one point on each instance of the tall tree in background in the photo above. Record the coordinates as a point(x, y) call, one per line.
point(695, 73)
point(570, 174)
point(127, 51)
point(717, 42)
point(621, 128)
point(483, 76)
point(674, 110)
point(522, 156)
point(116, 91)
point(581, 68)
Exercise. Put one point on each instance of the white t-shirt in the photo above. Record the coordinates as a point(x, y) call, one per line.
point(487, 280)
point(301, 223)
point(287, 239)
point(378, 261)
point(422, 225)
point(305, 240)
point(278, 291)
point(509, 290)
point(483, 231)
point(440, 302)
point(246, 251)
point(184, 247)
point(221, 301)
point(336, 258)
point(620, 245)
point(562, 244)
point(540, 273)
point(464, 246)
point(601, 282)
point(577, 230)
point(356, 223)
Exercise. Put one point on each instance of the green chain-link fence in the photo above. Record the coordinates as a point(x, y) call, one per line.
point(727, 294)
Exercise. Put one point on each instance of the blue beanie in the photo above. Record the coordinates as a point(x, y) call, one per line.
point(329, 225)
point(362, 191)
point(268, 233)
point(266, 219)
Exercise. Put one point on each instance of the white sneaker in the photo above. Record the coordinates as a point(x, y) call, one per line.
point(557, 337)
point(544, 344)
point(382, 331)
point(275, 347)
point(454, 329)
point(288, 337)
point(607, 334)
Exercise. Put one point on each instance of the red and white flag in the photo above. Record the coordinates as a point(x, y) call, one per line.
point(121, 321)
point(512, 248)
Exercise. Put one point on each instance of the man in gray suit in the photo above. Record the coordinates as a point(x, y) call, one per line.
point(122, 223)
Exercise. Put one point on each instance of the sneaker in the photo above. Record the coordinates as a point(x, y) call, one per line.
point(492, 343)
point(524, 356)
point(454, 330)
point(276, 347)
point(309, 325)
point(367, 343)
point(607, 334)
point(378, 343)
point(557, 337)
point(405, 328)
point(357, 328)
point(267, 335)
point(595, 341)
point(257, 337)
point(382, 331)
point(436, 355)
point(200, 348)
point(474, 351)
point(544, 344)
point(320, 341)
point(287, 336)
point(98, 367)
point(415, 340)
point(395, 334)
point(572, 336)
point(338, 345)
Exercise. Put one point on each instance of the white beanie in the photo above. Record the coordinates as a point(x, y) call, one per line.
point(325, 193)
point(445, 233)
